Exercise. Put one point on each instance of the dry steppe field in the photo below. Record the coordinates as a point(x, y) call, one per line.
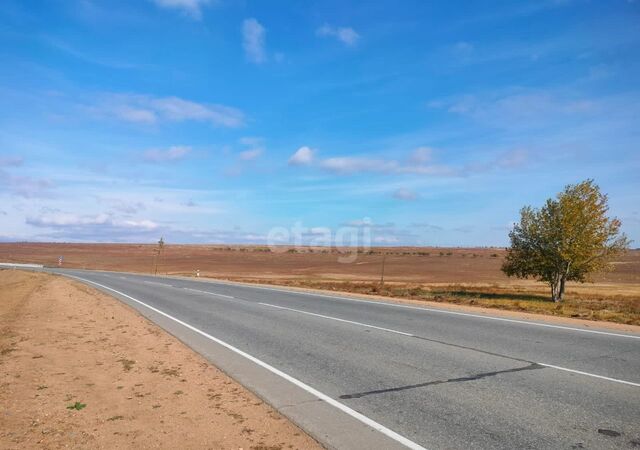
point(469, 276)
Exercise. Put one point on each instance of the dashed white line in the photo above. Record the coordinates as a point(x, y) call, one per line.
point(551, 366)
point(423, 308)
point(616, 380)
point(206, 292)
point(324, 397)
point(155, 282)
point(337, 319)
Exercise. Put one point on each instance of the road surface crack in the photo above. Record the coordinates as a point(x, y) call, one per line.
point(532, 366)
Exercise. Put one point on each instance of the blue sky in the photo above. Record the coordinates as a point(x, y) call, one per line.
point(218, 121)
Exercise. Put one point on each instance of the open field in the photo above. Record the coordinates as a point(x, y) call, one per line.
point(466, 276)
point(80, 369)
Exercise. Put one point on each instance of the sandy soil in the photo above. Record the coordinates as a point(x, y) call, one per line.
point(64, 344)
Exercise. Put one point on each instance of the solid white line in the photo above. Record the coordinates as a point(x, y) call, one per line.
point(630, 383)
point(336, 404)
point(340, 320)
point(205, 292)
point(616, 380)
point(424, 308)
point(155, 282)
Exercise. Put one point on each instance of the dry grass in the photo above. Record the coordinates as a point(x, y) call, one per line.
point(611, 308)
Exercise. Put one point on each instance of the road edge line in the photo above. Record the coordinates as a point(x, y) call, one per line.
point(336, 404)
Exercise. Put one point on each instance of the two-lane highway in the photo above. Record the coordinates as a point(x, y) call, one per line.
point(373, 374)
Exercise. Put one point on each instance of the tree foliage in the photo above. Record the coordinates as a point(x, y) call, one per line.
point(568, 239)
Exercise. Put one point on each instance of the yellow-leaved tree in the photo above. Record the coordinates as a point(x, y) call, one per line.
point(568, 239)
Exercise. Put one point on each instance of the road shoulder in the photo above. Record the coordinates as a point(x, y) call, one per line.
point(80, 369)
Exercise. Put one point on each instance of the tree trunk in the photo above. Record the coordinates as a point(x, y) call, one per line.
point(554, 290)
point(561, 290)
point(563, 280)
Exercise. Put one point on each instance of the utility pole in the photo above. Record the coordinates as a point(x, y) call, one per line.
point(158, 252)
point(384, 256)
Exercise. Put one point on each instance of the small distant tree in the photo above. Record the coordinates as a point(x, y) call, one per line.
point(568, 239)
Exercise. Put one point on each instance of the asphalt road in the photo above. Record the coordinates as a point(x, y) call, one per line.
point(360, 374)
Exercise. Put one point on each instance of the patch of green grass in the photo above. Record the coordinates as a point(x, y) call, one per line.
point(77, 406)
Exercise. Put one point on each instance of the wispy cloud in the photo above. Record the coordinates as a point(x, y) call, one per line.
point(253, 41)
point(355, 164)
point(98, 227)
point(418, 162)
point(145, 109)
point(21, 185)
point(25, 186)
point(251, 154)
point(302, 157)
point(87, 57)
point(191, 8)
point(255, 148)
point(170, 154)
point(405, 194)
point(346, 35)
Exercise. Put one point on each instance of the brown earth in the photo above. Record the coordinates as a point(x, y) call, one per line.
point(403, 264)
point(469, 276)
point(63, 344)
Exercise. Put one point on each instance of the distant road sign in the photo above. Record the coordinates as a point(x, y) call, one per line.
point(59, 261)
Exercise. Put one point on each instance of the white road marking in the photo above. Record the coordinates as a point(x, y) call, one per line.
point(551, 366)
point(324, 397)
point(340, 320)
point(630, 383)
point(424, 308)
point(206, 292)
point(155, 282)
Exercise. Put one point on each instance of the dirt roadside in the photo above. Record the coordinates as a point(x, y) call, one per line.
point(64, 345)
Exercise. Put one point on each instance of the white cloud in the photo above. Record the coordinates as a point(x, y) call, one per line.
point(98, 227)
point(147, 109)
point(192, 8)
point(171, 154)
point(21, 185)
point(253, 41)
point(519, 108)
point(418, 163)
point(348, 165)
point(251, 140)
point(56, 220)
point(250, 155)
point(255, 148)
point(421, 155)
point(24, 186)
point(513, 159)
point(346, 35)
point(302, 157)
point(404, 194)
point(137, 115)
